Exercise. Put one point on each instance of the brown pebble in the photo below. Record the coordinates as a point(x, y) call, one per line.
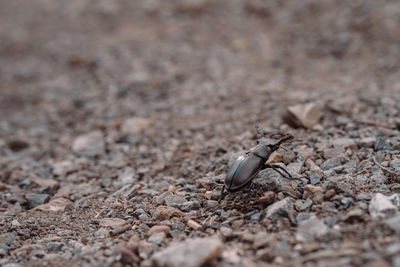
point(329, 194)
point(313, 189)
point(195, 225)
point(165, 212)
point(268, 198)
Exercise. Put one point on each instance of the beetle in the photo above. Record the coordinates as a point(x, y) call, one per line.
point(245, 167)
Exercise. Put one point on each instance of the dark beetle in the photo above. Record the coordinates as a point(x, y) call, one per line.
point(246, 166)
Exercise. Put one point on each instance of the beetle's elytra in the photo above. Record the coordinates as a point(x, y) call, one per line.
point(246, 166)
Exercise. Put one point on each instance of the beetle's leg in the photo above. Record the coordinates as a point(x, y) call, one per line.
point(276, 167)
point(221, 196)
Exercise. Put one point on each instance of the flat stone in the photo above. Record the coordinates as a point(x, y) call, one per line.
point(381, 144)
point(302, 115)
point(381, 205)
point(193, 253)
point(90, 144)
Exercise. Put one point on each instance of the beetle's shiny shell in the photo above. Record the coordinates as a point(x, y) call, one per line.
point(242, 171)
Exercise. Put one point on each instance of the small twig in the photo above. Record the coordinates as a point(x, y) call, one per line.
point(392, 173)
point(358, 173)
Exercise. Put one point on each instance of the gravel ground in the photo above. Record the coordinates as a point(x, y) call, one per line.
point(118, 120)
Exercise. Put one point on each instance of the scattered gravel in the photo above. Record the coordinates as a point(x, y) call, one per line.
point(118, 121)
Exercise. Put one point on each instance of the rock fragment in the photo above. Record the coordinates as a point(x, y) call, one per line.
point(280, 209)
point(90, 144)
point(381, 205)
point(306, 115)
point(193, 253)
point(330, 163)
point(35, 200)
point(166, 212)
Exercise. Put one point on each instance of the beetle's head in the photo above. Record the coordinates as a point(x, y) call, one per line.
point(273, 144)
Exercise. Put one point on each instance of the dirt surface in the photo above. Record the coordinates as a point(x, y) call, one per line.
point(118, 120)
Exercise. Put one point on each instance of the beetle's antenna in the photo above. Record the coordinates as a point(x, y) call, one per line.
point(287, 138)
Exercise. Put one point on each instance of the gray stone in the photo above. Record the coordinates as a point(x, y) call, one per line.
point(380, 144)
point(280, 209)
point(174, 201)
point(330, 163)
point(310, 229)
point(315, 178)
point(381, 205)
point(193, 253)
point(35, 200)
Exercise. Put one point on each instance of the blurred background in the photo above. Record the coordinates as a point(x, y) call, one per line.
point(194, 69)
